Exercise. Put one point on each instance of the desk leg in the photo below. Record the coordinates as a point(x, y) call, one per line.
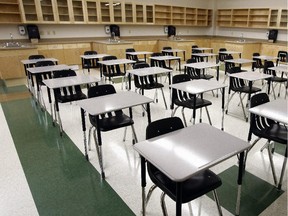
point(57, 114)
point(99, 148)
point(84, 133)
point(223, 108)
point(178, 198)
point(143, 185)
point(239, 181)
point(179, 61)
point(51, 107)
point(217, 73)
point(148, 113)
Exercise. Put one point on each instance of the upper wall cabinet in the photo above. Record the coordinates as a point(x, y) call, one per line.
point(38, 11)
point(9, 11)
point(252, 18)
point(63, 11)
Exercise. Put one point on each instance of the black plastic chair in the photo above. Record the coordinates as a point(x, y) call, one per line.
point(192, 188)
point(185, 100)
point(156, 63)
point(108, 121)
point(275, 79)
point(282, 57)
point(222, 56)
point(230, 67)
point(193, 50)
point(196, 73)
point(68, 94)
point(112, 71)
point(167, 53)
point(258, 63)
point(148, 83)
point(133, 57)
point(268, 129)
point(39, 79)
point(239, 86)
point(90, 63)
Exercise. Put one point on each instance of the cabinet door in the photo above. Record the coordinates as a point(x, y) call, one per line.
point(9, 11)
point(78, 12)
point(128, 8)
point(63, 9)
point(92, 10)
point(29, 12)
point(105, 8)
point(47, 11)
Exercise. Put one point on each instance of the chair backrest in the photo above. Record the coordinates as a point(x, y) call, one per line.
point(160, 127)
point(66, 91)
point(140, 81)
point(192, 72)
point(90, 52)
point(229, 65)
point(90, 63)
point(258, 62)
point(44, 63)
point(140, 65)
point(163, 126)
point(167, 53)
point(43, 76)
point(268, 71)
point(282, 56)
point(131, 57)
point(178, 94)
point(112, 70)
point(101, 90)
point(222, 56)
point(258, 123)
point(36, 57)
point(155, 63)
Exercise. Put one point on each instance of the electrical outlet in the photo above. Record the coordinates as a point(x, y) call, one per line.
point(54, 33)
point(48, 32)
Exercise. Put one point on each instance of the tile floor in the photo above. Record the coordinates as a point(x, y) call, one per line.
point(122, 164)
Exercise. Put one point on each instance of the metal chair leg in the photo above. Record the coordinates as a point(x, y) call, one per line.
point(135, 139)
point(89, 138)
point(163, 205)
point(272, 164)
point(99, 153)
point(152, 188)
point(124, 137)
point(164, 98)
point(217, 202)
point(183, 115)
point(283, 170)
point(208, 115)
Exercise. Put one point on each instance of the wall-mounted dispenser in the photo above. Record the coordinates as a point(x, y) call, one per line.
point(33, 32)
point(171, 31)
point(115, 30)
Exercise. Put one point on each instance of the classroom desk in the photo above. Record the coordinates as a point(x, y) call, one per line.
point(276, 110)
point(176, 51)
point(203, 66)
point(282, 69)
point(89, 57)
point(203, 49)
point(61, 83)
point(109, 103)
point(204, 55)
point(198, 87)
point(31, 62)
point(265, 58)
point(146, 72)
point(240, 61)
point(115, 62)
point(168, 58)
point(145, 53)
point(45, 69)
point(251, 77)
point(183, 153)
point(231, 53)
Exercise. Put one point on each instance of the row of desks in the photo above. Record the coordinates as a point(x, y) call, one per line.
point(202, 134)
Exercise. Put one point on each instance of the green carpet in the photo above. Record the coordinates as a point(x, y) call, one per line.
point(256, 195)
point(61, 181)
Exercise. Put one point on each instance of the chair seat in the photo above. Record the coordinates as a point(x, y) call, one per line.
point(246, 89)
point(153, 85)
point(275, 132)
point(113, 74)
point(192, 188)
point(206, 76)
point(190, 103)
point(278, 79)
point(113, 122)
point(69, 98)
